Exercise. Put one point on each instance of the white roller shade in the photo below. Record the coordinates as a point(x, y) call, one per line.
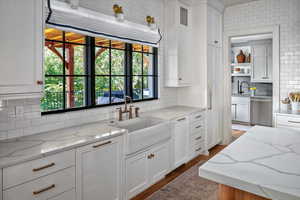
point(60, 15)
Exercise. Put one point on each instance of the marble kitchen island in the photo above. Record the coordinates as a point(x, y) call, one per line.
point(262, 164)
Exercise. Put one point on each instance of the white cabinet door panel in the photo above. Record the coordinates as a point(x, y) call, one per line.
point(181, 136)
point(160, 163)
point(243, 113)
point(99, 171)
point(21, 46)
point(137, 174)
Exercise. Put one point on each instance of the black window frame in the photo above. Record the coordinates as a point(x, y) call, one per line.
point(90, 75)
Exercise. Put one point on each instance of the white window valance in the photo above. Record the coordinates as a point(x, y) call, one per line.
point(60, 15)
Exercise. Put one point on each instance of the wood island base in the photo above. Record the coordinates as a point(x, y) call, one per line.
point(229, 193)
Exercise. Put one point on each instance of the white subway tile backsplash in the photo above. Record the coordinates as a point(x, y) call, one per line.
point(274, 12)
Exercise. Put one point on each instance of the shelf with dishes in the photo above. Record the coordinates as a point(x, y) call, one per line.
point(241, 69)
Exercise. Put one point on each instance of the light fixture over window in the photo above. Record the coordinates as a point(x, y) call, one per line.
point(118, 10)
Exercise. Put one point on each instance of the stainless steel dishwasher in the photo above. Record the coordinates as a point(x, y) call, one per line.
point(261, 110)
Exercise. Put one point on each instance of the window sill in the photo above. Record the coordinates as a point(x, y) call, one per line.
point(92, 107)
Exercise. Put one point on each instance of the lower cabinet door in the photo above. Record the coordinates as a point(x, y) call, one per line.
point(159, 164)
point(99, 171)
point(243, 113)
point(181, 136)
point(137, 174)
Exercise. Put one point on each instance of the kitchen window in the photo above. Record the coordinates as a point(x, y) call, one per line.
point(85, 72)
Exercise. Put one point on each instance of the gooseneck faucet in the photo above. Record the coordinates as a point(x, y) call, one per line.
point(126, 110)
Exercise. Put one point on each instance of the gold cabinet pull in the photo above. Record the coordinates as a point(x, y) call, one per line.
point(294, 122)
point(198, 138)
point(151, 156)
point(44, 167)
point(100, 145)
point(182, 119)
point(199, 149)
point(198, 126)
point(43, 190)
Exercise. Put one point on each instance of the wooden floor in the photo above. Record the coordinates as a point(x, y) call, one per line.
point(176, 173)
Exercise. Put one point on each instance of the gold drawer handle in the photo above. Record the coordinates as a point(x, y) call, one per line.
point(198, 138)
point(199, 149)
point(44, 190)
point(294, 122)
point(198, 126)
point(151, 156)
point(182, 119)
point(44, 167)
point(100, 145)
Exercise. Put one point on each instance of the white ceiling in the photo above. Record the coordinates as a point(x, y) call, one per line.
point(235, 2)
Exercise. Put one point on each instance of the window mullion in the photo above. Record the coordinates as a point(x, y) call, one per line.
point(90, 71)
point(110, 78)
point(128, 70)
point(64, 72)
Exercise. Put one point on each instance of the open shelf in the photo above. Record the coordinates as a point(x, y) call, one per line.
point(240, 74)
point(241, 64)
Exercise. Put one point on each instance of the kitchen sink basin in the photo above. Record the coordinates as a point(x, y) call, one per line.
point(144, 132)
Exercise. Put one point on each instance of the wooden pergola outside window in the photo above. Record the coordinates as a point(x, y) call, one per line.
point(75, 69)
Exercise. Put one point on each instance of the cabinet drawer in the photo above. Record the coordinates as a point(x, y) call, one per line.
point(288, 121)
point(69, 195)
point(43, 188)
point(197, 127)
point(197, 116)
point(197, 148)
point(199, 136)
point(31, 170)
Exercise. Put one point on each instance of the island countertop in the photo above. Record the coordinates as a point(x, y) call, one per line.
point(264, 161)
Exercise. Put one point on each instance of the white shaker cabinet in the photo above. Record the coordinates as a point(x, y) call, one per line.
point(159, 163)
point(21, 48)
point(241, 111)
point(181, 141)
point(262, 62)
point(137, 174)
point(146, 168)
point(178, 37)
point(99, 170)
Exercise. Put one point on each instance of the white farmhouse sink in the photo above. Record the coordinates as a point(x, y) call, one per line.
point(144, 132)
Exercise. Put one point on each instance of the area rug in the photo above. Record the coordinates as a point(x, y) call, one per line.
point(188, 186)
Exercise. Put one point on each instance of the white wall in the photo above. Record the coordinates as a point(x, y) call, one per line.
point(274, 12)
point(13, 124)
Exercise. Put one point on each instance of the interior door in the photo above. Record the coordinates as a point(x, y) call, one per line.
point(98, 168)
point(159, 163)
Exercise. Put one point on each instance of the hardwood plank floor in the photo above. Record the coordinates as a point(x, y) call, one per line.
point(177, 172)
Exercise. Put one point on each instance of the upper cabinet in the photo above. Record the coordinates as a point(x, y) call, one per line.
point(214, 28)
point(21, 48)
point(178, 36)
point(262, 62)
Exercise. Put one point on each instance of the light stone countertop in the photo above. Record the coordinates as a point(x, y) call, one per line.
point(15, 151)
point(173, 112)
point(19, 150)
point(264, 161)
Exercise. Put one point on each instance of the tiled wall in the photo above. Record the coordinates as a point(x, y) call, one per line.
point(23, 117)
point(274, 12)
